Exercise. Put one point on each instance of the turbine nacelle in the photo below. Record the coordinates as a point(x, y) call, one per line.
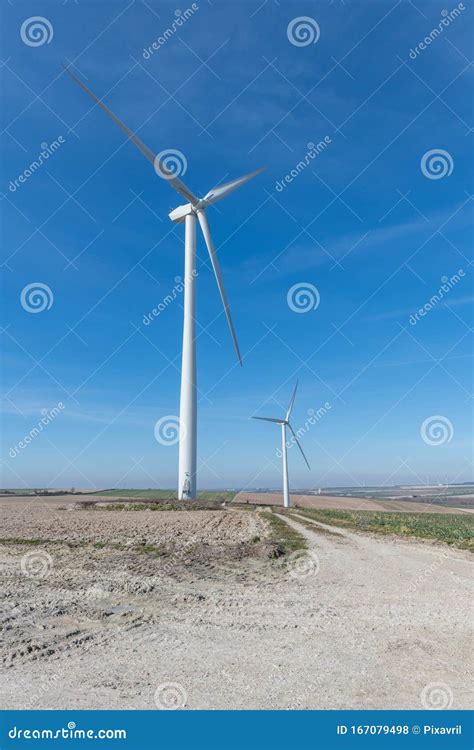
point(178, 215)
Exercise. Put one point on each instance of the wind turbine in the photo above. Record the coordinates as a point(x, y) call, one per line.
point(284, 424)
point(187, 214)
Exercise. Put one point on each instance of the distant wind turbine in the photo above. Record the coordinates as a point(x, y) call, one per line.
point(187, 214)
point(284, 424)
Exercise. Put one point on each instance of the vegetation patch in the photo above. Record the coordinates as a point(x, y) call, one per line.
point(456, 529)
point(17, 541)
point(283, 535)
point(169, 496)
point(149, 548)
point(151, 505)
point(32, 542)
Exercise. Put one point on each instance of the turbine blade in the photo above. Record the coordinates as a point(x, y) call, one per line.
point(270, 419)
point(299, 446)
point(290, 408)
point(219, 192)
point(160, 167)
point(217, 273)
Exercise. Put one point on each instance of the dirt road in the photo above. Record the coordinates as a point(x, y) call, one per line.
point(354, 622)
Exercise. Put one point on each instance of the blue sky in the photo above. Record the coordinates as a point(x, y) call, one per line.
point(361, 222)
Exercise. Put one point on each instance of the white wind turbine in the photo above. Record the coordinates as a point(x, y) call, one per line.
point(187, 214)
point(284, 424)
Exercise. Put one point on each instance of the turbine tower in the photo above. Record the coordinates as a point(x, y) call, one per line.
point(284, 424)
point(188, 213)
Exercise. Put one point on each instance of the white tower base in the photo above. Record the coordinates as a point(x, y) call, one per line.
point(286, 486)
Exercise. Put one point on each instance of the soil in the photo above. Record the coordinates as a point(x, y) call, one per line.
point(158, 609)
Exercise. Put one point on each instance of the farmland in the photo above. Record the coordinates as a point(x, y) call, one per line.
point(241, 606)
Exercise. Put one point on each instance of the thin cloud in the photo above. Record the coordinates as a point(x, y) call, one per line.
point(410, 310)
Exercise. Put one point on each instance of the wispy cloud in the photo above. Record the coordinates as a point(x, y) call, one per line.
point(403, 312)
point(407, 235)
point(25, 408)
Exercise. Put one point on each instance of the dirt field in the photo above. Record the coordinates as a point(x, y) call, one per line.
point(143, 609)
point(331, 502)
